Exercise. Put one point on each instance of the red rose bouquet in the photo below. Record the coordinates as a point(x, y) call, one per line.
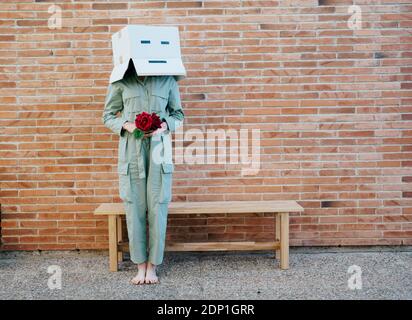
point(146, 123)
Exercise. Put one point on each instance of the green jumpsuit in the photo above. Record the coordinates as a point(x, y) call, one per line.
point(144, 165)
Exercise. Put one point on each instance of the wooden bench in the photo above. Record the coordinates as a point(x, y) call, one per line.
point(281, 210)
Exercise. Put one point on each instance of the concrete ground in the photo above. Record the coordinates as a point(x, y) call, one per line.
point(315, 273)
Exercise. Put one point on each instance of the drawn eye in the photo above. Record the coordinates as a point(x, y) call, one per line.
point(145, 41)
point(164, 42)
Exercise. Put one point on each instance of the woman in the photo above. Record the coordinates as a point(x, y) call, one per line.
point(144, 165)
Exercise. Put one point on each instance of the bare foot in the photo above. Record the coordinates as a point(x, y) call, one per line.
point(151, 276)
point(140, 277)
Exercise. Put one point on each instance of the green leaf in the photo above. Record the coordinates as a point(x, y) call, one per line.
point(138, 134)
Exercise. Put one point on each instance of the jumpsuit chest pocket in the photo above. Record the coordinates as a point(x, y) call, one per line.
point(124, 182)
point(159, 102)
point(133, 104)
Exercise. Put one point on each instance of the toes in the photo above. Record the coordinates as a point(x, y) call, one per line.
point(153, 280)
point(137, 281)
point(150, 281)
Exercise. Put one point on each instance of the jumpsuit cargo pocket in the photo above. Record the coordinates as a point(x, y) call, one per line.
point(124, 182)
point(166, 188)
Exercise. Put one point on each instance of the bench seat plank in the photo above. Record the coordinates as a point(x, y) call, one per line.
point(212, 207)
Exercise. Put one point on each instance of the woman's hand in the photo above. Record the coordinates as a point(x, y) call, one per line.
point(129, 126)
point(160, 130)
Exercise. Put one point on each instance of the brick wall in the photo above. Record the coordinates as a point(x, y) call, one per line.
point(333, 104)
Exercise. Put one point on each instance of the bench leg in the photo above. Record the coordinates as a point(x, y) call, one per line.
point(277, 234)
point(113, 243)
point(284, 240)
point(119, 237)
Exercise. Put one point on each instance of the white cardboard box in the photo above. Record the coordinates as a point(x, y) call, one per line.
point(154, 51)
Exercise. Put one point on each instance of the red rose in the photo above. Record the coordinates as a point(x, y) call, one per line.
point(156, 122)
point(144, 121)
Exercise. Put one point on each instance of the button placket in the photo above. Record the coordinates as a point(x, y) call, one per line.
point(148, 99)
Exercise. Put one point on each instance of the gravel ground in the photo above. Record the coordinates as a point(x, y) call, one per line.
point(315, 273)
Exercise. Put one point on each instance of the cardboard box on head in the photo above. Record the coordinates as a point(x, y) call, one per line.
point(155, 51)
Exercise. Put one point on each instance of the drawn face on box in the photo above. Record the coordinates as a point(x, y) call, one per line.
point(154, 51)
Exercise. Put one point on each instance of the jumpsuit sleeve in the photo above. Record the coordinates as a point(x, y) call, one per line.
point(175, 118)
point(113, 104)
